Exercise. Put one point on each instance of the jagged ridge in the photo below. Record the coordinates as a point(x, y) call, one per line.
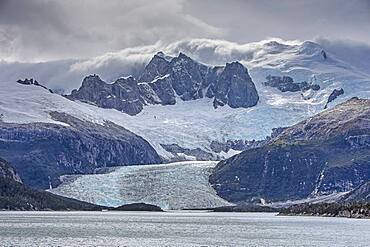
point(163, 80)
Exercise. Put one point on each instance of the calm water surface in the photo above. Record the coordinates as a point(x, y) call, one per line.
point(178, 229)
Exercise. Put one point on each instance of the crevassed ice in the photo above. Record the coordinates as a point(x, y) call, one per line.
point(180, 185)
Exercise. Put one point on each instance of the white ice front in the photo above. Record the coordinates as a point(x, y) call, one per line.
point(178, 185)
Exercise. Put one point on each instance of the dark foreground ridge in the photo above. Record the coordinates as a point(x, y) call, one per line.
point(14, 195)
point(245, 208)
point(349, 210)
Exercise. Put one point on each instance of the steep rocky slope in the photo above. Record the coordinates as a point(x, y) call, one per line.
point(359, 194)
point(329, 152)
point(8, 172)
point(16, 196)
point(41, 152)
point(163, 80)
point(349, 210)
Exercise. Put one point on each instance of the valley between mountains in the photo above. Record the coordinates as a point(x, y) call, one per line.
point(289, 122)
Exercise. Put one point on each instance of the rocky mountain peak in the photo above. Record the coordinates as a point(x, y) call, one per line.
point(130, 80)
point(91, 80)
point(312, 48)
point(33, 82)
point(163, 79)
point(182, 61)
point(122, 95)
point(236, 68)
point(160, 54)
point(158, 66)
point(235, 87)
point(287, 84)
point(183, 56)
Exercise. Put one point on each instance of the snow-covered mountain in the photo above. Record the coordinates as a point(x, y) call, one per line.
point(194, 124)
point(326, 153)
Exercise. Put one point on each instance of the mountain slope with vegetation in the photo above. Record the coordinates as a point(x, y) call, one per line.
point(41, 152)
point(16, 196)
point(348, 210)
point(327, 153)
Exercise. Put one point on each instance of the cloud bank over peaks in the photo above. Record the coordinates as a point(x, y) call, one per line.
point(65, 75)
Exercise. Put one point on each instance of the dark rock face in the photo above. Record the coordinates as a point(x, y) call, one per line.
point(245, 208)
point(359, 141)
point(16, 196)
point(6, 171)
point(42, 152)
point(122, 95)
point(272, 173)
point(348, 210)
point(215, 146)
point(324, 154)
point(159, 91)
point(335, 94)
point(234, 87)
point(323, 53)
point(163, 79)
point(287, 84)
point(187, 77)
point(239, 145)
point(139, 207)
point(157, 67)
point(345, 177)
point(359, 194)
point(31, 81)
point(198, 153)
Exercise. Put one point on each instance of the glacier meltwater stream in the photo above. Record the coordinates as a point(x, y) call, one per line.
point(180, 185)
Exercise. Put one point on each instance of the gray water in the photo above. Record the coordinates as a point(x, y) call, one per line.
point(178, 229)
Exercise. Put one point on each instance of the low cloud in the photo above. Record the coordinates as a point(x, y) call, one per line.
point(45, 30)
point(40, 30)
point(354, 52)
point(65, 75)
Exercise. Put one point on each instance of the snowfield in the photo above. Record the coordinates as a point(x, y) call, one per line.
point(178, 185)
point(190, 124)
point(194, 124)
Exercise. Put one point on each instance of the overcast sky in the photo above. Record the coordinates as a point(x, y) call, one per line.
point(41, 30)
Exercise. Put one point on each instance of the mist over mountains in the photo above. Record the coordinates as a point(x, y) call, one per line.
point(65, 75)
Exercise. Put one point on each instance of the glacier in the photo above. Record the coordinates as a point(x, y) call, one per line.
point(180, 185)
